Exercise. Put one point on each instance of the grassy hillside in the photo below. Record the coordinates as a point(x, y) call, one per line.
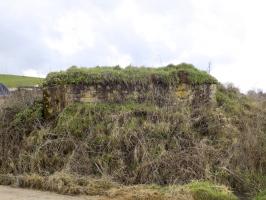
point(13, 81)
point(138, 149)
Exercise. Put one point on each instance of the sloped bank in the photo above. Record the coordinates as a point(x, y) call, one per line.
point(139, 126)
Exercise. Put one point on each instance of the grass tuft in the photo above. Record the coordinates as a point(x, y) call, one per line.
point(209, 191)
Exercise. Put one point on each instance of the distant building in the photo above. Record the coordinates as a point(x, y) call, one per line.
point(3, 90)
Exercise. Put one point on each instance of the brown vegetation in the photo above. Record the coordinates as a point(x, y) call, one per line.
point(135, 143)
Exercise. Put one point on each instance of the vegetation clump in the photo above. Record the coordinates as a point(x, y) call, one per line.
point(207, 190)
point(169, 75)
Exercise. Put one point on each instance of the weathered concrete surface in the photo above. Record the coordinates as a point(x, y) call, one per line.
point(9, 193)
point(56, 98)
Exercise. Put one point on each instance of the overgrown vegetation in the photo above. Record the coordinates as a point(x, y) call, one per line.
point(169, 75)
point(112, 148)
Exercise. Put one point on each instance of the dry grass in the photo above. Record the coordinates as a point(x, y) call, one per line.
point(146, 192)
point(106, 189)
point(62, 183)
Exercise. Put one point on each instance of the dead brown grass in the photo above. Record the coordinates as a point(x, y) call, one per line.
point(144, 192)
point(62, 183)
point(105, 188)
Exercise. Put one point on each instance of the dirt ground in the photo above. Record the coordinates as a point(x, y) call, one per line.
point(10, 193)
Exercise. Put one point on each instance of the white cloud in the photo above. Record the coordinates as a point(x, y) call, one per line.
point(53, 35)
point(118, 58)
point(75, 31)
point(32, 73)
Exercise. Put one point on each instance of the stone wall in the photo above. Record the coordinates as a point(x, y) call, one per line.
point(22, 95)
point(58, 97)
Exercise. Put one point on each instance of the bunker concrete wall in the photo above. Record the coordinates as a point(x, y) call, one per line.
point(56, 98)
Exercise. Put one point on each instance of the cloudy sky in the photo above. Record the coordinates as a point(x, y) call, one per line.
point(38, 36)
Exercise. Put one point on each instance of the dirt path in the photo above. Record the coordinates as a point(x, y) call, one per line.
point(9, 193)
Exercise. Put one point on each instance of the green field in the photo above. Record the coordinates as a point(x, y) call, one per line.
point(13, 81)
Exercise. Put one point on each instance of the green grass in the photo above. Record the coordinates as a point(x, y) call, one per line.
point(169, 75)
point(261, 196)
point(77, 118)
point(209, 191)
point(14, 81)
